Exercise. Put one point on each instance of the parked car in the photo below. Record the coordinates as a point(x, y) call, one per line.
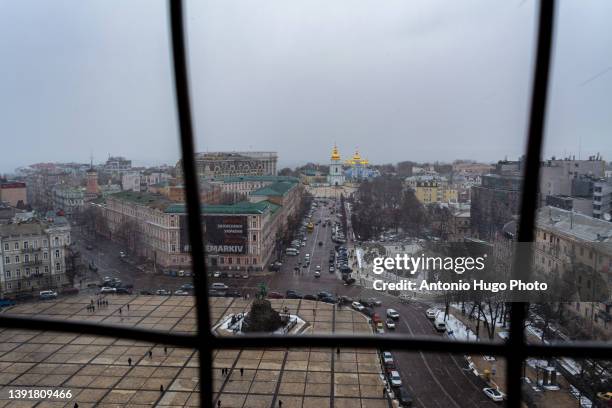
point(123, 291)
point(215, 293)
point(70, 291)
point(332, 269)
point(24, 296)
point(394, 379)
point(108, 289)
point(294, 295)
point(390, 324)
point(387, 358)
point(357, 306)
point(317, 274)
point(146, 293)
point(163, 292)
point(431, 313)
point(216, 274)
point(328, 299)
point(233, 293)
point(7, 302)
point(309, 297)
point(404, 397)
point(393, 314)
point(181, 292)
point(494, 394)
point(323, 294)
point(275, 295)
point(219, 286)
point(187, 286)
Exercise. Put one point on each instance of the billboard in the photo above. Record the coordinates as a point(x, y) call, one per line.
point(226, 234)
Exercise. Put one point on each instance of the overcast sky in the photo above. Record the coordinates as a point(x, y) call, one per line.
point(401, 80)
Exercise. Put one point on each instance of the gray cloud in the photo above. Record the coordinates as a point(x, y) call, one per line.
point(419, 80)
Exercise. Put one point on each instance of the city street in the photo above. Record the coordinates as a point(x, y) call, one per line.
point(435, 380)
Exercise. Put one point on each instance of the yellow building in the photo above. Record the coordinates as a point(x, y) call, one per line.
point(428, 192)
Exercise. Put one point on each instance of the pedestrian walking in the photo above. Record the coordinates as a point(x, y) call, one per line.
point(119, 310)
point(280, 403)
point(76, 405)
point(91, 302)
point(150, 354)
point(130, 361)
point(338, 351)
point(93, 308)
point(128, 306)
point(241, 371)
point(161, 388)
point(165, 350)
point(218, 403)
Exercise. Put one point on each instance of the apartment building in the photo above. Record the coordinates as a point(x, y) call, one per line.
point(33, 256)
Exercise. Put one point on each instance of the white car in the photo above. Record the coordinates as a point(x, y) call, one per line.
point(431, 313)
point(318, 268)
point(181, 292)
point(216, 274)
point(390, 324)
point(108, 289)
point(387, 358)
point(163, 292)
point(317, 274)
point(393, 314)
point(395, 379)
point(357, 306)
point(494, 394)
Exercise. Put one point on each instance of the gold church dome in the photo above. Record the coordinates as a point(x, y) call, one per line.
point(335, 156)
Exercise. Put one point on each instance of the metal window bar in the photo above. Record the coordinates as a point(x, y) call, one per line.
point(515, 350)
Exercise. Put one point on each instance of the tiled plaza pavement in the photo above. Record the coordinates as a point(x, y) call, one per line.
point(97, 372)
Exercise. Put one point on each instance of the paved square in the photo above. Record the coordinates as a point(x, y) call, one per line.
point(107, 372)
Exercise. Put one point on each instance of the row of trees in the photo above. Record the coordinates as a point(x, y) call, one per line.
point(384, 204)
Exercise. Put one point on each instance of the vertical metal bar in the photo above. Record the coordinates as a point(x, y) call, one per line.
point(192, 198)
point(529, 198)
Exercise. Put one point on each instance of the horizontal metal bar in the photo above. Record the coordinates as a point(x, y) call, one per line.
point(388, 341)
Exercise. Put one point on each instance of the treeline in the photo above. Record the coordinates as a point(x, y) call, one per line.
point(384, 204)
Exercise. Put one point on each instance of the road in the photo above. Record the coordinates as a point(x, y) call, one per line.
point(435, 380)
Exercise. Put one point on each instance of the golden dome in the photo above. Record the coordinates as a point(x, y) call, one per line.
point(356, 156)
point(335, 156)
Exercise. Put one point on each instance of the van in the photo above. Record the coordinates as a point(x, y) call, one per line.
point(219, 286)
point(440, 325)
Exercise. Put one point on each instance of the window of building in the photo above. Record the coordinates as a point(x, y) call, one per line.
point(7, 260)
point(6, 246)
point(45, 255)
point(25, 244)
point(16, 258)
point(58, 266)
point(57, 253)
point(16, 245)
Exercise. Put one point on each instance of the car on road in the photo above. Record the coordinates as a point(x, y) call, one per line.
point(317, 274)
point(390, 324)
point(292, 294)
point(216, 293)
point(145, 292)
point(219, 286)
point(332, 269)
point(121, 254)
point(309, 297)
point(323, 294)
point(233, 293)
point(187, 286)
point(7, 302)
point(108, 289)
point(431, 313)
point(394, 379)
point(318, 268)
point(275, 295)
point(47, 294)
point(379, 328)
point(163, 292)
point(387, 358)
point(375, 301)
point(181, 292)
point(393, 314)
point(123, 291)
point(320, 243)
point(494, 394)
point(357, 306)
point(328, 299)
point(404, 397)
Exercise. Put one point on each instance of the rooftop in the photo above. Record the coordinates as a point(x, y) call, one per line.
point(579, 226)
point(237, 179)
point(280, 188)
point(243, 207)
